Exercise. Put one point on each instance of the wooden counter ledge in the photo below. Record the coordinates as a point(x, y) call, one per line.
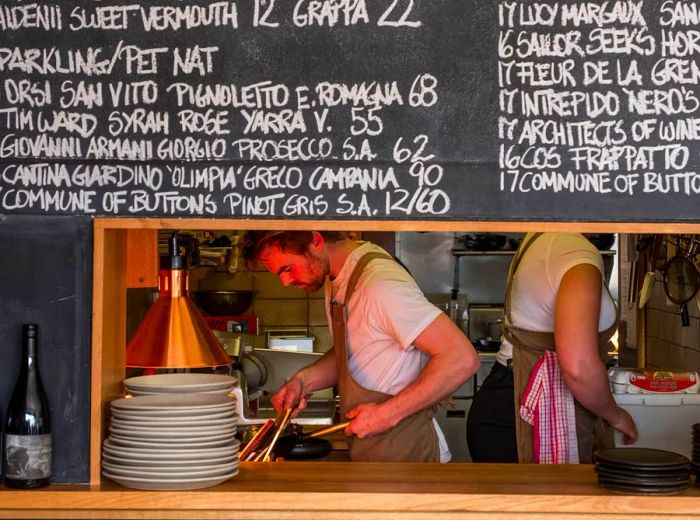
point(328, 490)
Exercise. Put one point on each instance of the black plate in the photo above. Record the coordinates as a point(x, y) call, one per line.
point(644, 481)
point(644, 489)
point(641, 458)
point(628, 469)
point(668, 475)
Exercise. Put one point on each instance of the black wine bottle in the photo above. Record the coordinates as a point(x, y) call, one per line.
point(27, 453)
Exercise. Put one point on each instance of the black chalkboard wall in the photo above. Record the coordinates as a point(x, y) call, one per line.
point(45, 278)
point(382, 109)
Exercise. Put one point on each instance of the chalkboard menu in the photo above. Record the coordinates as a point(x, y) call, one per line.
point(347, 109)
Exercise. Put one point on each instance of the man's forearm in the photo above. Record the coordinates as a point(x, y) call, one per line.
point(323, 373)
point(440, 377)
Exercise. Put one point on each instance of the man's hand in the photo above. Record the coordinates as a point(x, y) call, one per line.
point(369, 419)
point(625, 425)
point(290, 395)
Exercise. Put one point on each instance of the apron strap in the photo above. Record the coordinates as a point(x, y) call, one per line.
point(357, 272)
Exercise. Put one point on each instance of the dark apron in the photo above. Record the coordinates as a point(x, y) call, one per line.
point(412, 440)
point(528, 347)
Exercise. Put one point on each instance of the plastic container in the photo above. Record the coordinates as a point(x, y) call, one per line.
point(664, 421)
point(300, 344)
point(644, 381)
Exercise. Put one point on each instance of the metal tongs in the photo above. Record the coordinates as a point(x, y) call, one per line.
point(261, 446)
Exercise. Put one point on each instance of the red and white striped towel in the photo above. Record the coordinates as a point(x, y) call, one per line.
point(548, 406)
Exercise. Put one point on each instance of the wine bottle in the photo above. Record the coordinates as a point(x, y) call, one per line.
point(27, 453)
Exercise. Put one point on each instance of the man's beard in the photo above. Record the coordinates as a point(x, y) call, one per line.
point(318, 269)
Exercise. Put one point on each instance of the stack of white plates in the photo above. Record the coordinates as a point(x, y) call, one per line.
point(180, 383)
point(171, 441)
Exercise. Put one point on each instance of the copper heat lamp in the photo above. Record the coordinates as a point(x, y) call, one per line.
point(174, 334)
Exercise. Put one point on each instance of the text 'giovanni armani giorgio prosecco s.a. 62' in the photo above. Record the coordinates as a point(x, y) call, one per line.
point(27, 454)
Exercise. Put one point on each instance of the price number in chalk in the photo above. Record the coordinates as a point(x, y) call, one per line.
point(365, 121)
point(426, 198)
point(423, 91)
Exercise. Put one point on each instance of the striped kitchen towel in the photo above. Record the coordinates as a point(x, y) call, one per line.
point(548, 406)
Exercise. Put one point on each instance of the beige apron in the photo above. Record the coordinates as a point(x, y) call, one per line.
point(528, 346)
point(412, 440)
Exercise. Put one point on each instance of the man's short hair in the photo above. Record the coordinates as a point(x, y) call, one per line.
point(296, 242)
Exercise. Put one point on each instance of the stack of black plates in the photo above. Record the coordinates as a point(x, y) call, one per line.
point(695, 463)
point(642, 470)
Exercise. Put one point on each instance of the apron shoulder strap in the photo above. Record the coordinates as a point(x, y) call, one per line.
point(519, 254)
point(357, 271)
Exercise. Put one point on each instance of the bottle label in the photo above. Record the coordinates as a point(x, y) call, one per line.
point(27, 456)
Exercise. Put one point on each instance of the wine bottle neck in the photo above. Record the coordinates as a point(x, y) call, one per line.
point(30, 348)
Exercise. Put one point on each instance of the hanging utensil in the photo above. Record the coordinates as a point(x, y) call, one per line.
point(650, 276)
point(681, 279)
point(636, 269)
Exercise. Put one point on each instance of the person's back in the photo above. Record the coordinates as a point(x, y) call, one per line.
point(556, 308)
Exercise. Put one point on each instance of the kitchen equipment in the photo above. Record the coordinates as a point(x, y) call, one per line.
point(487, 344)
point(602, 241)
point(483, 242)
point(485, 321)
point(224, 303)
point(681, 277)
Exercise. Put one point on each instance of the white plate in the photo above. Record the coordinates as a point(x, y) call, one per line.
point(160, 463)
point(176, 456)
point(175, 423)
point(183, 418)
point(168, 473)
point(159, 484)
point(170, 453)
point(167, 414)
point(187, 429)
point(224, 391)
point(180, 382)
point(200, 439)
point(132, 443)
point(180, 402)
point(191, 434)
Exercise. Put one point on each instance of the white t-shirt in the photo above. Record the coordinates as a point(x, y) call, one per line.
point(537, 280)
point(386, 313)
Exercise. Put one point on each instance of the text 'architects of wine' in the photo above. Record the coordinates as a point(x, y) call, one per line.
point(601, 98)
point(256, 108)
